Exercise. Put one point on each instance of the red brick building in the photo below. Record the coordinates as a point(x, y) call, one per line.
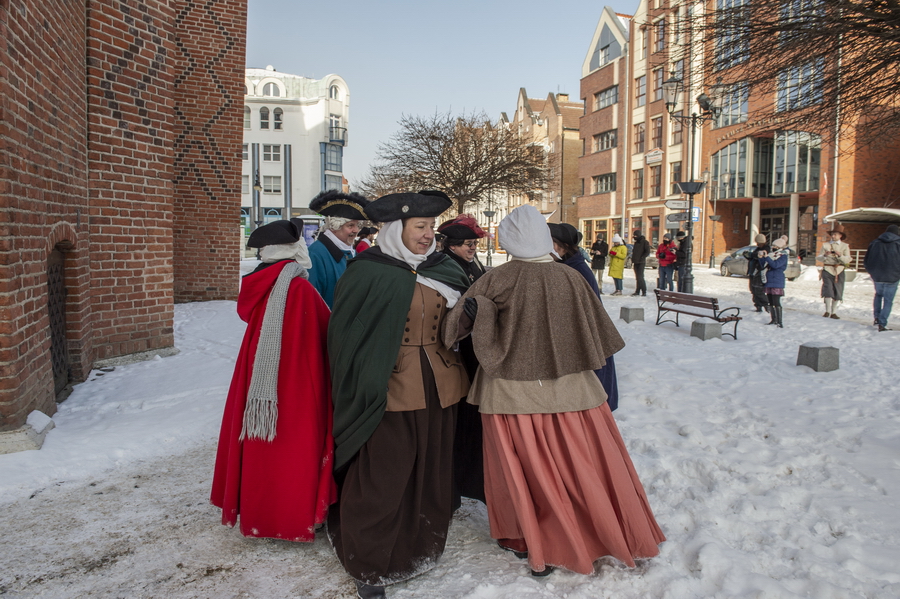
point(120, 135)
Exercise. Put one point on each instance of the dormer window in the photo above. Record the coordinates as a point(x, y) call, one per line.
point(271, 90)
point(334, 92)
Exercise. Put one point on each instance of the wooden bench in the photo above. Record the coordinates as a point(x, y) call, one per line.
point(694, 305)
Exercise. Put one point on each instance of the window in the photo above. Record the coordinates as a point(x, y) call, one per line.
point(245, 152)
point(657, 84)
point(604, 183)
point(263, 118)
point(246, 90)
point(660, 35)
point(677, 131)
point(278, 114)
point(246, 117)
point(800, 86)
point(655, 181)
point(333, 182)
point(607, 97)
point(640, 91)
point(605, 141)
point(271, 184)
point(730, 159)
point(645, 33)
point(656, 132)
point(245, 184)
point(639, 138)
point(272, 90)
point(271, 153)
point(732, 42)
point(637, 184)
point(333, 157)
point(336, 131)
point(607, 49)
point(334, 92)
point(678, 69)
point(675, 177)
point(732, 105)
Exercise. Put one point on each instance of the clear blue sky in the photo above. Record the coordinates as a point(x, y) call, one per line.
point(402, 57)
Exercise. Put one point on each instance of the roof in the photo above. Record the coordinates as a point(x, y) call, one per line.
point(870, 216)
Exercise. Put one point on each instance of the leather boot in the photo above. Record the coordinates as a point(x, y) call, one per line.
point(773, 312)
point(780, 312)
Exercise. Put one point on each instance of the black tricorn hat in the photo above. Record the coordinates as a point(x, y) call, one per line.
point(426, 203)
point(276, 233)
point(565, 233)
point(343, 205)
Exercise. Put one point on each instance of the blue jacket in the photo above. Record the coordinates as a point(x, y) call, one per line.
point(775, 274)
point(328, 264)
point(883, 258)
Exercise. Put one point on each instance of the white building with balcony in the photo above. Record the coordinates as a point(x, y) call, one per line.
point(295, 132)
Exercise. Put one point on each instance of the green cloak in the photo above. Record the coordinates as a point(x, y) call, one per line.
point(371, 302)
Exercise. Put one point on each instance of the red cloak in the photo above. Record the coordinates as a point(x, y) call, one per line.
point(281, 489)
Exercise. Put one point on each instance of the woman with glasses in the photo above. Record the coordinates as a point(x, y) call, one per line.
point(461, 242)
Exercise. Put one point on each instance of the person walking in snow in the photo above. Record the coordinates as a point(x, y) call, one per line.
point(599, 250)
point(639, 254)
point(836, 257)
point(883, 265)
point(618, 253)
point(755, 272)
point(666, 254)
point(775, 263)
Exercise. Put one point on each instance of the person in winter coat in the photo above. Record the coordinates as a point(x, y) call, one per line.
point(775, 263)
point(666, 254)
point(561, 488)
point(599, 250)
point(681, 261)
point(395, 388)
point(331, 250)
point(755, 272)
point(639, 254)
point(460, 243)
point(565, 243)
point(836, 257)
point(883, 265)
point(275, 455)
point(366, 239)
point(618, 254)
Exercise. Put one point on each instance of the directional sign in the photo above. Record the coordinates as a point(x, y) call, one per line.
point(677, 204)
point(696, 217)
point(678, 216)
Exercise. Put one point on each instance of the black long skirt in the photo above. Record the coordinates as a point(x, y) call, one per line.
point(394, 505)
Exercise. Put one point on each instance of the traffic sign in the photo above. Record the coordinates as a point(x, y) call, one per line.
point(678, 216)
point(677, 204)
point(696, 217)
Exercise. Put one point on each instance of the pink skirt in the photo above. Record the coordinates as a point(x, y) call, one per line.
point(564, 484)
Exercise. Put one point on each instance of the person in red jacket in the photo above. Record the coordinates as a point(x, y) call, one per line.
point(276, 452)
point(666, 254)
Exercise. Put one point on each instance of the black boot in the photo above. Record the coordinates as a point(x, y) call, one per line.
point(779, 312)
point(772, 310)
point(368, 591)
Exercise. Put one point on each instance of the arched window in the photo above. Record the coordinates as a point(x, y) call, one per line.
point(246, 117)
point(334, 92)
point(263, 118)
point(278, 114)
point(246, 90)
point(271, 90)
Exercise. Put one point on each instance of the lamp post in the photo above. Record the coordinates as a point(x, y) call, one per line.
point(708, 109)
point(489, 214)
point(257, 188)
point(725, 178)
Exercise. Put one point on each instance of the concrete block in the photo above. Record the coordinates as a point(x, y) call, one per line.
point(629, 314)
point(30, 436)
point(819, 356)
point(705, 328)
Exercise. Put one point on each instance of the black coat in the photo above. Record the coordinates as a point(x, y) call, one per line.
point(753, 263)
point(473, 269)
point(883, 258)
point(682, 251)
point(598, 260)
point(640, 251)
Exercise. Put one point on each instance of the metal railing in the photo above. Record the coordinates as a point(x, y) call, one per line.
point(857, 259)
point(337, 134)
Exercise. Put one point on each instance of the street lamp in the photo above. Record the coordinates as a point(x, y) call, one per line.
point(708, 109)
point(257, 188)
point(489, 214)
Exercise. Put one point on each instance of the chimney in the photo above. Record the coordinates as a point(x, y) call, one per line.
point(562, 97)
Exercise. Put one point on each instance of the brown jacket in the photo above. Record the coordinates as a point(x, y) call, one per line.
point(406, 389)
point(536, 320)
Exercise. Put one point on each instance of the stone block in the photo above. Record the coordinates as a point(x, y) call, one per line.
point(819, 356)
point(30, 436)
point(705, 328)
point(629, 314)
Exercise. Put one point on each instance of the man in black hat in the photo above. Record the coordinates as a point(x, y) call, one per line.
point(331, 250)
point(639, 260)
point(681, 257)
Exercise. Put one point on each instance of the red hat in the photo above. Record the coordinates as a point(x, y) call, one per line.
point(463, 226)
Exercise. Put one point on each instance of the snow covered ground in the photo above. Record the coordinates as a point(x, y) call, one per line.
point(769, 480)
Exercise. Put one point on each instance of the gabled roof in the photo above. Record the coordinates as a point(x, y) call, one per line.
point(611, 30)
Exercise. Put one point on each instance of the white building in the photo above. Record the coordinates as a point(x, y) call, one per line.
point(295, 132)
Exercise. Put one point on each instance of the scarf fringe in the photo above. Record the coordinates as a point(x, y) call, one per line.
point(260, 419)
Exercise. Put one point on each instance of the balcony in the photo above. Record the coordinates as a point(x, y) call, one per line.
point(338, 135)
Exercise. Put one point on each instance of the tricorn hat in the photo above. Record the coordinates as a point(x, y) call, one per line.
point(463, 226)
point(838, 229)
point(276, 233)
point(394, 206)
point(343, 205)
point(565, 233)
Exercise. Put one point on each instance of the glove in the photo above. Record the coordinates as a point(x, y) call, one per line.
point(470, 308)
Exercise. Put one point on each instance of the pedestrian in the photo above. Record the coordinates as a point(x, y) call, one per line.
point(617, 263)
point(883, 265)
point(395, 388)
point(365, 240)
point(460, 243)
point(274, 460)
point(835, 257)
point(561, 488)
point(682, 258)
point(756, 274)
point(666, 254)
point(638, 261)
point(331, 250)
point(599, 250)
point(775, 262)
point(565, 243)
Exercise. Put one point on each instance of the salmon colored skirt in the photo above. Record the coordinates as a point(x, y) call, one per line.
point(564, 484)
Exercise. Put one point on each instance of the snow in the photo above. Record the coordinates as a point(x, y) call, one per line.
point(770, 480)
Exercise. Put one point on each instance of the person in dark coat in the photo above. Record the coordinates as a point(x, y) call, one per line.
point(599, 250)
point(681, 257)
point(639, 260)
point(461, 237)
point(755, 272)
point(565, 243)
point(775, 263)
point(331, 250)
point(883, 265)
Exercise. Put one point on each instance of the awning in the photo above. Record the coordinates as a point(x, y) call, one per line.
point(866, 216)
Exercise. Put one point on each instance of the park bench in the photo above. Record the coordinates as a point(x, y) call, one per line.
point(694, 305)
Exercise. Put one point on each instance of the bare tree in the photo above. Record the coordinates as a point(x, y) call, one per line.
point(467, 157)
point(825, 66)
